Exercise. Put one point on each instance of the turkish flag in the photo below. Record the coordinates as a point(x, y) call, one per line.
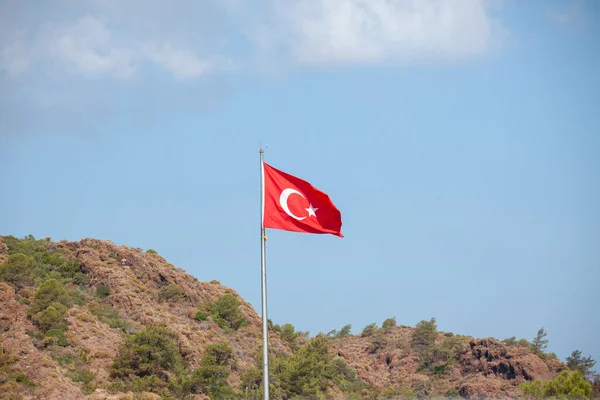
point(292, 204)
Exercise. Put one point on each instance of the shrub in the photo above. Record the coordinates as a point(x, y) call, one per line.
point(18, 270)
point(435, 359)
point(211, 377)
point(566, 384)
point(48, 261)
point(82, 375)
point(51, 291)
point(5, 358)
point(81, 279)
point(225, 312)
point(369, 329)
point(102, 291)
point(181, 385)
point(200, 315)
point(289, 334)
point(28, 245)
point(524, 343)
point(52, 318)
point(457, 344)
point(151, 251)
point(307, 373)
point(22, 378)
point(171, 292)
point(389, 323)
point(424, 334)
point(311, 370)
point(511, 341)
point(149, 352)
point(58, 334)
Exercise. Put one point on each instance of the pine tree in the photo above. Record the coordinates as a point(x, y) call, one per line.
point(582, 364)
point(539, 344)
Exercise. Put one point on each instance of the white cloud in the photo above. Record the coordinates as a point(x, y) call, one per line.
point(190, 39)
point(181, 63)
point(318, 32)
point(44, 49)
point(89, 46)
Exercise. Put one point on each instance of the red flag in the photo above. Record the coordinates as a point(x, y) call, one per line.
point(291, 204)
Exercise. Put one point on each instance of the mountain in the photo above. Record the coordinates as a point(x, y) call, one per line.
point(93, 320)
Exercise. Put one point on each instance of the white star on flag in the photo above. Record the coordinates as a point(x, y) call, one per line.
point(311, 211)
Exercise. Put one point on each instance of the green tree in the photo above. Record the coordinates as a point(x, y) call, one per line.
point(288, 334)
point(436, 359)
point(582, 364)
point(51, 291)
point(18, 270)
point(424, 334)
point(511, 341)
point(389, 323)
point(369, 329)
point(565, 385)
point(27, 245)
point(345, 331)
point(540, 342)
point(307, 373)
point(225, 312)
point(51, 318)
point(311, 370)
point(152, 351)
point(49, 260)
point(211, 376)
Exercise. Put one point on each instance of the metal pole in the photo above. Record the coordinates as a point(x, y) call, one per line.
point(263, 271)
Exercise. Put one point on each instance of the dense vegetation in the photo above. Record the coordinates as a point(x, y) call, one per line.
point(307, 373)
point(567, 385)
point(52, 285)
point(224, 312)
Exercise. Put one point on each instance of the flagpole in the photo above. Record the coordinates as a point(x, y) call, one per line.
point(263, 273)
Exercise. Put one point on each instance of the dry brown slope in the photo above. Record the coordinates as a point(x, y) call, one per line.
point(134, 279)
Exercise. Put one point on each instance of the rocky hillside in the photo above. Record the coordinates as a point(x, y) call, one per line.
point(451, 366)
point(93, 320)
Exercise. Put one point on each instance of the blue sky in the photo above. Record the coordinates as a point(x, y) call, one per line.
point(459, 139)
